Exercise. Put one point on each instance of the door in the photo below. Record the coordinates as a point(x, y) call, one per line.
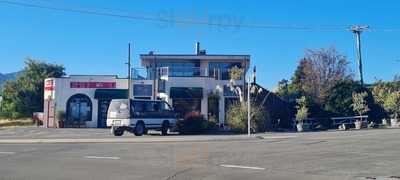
point(102, 113)
point(79, 111)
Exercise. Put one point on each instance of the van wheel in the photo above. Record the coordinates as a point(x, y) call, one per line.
point(117, 131)
point(164, 128)
point(139, 129)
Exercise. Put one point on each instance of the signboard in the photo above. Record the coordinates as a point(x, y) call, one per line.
point(103, 85)
point(49, 85)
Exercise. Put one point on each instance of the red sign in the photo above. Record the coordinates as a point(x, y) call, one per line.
point(49, 85)
point(93, 85)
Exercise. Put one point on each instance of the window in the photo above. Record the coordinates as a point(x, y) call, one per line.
point(149, 106)
point(138, 106)
point(142, 90)
point(184, 106)
point(161, 86)
point(220, 70)
point(181, 69)
point(164, 106)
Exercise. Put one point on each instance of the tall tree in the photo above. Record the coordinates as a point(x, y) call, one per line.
point(25, 95)
point(319, 71)
point(340, 98)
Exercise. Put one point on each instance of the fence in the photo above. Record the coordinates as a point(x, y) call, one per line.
point(337, 121)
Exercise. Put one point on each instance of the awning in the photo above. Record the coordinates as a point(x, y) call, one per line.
point(186, 92)
point(111, 94)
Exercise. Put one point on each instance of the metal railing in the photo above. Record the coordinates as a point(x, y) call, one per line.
point(149, 73)
point(337, 121)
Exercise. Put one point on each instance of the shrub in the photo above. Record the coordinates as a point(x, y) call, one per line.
point(360, 103)
point(192, 123)
point(392, 104)
point(302, 110)
point(237, 117)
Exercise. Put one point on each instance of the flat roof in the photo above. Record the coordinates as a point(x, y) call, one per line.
point(194, 57)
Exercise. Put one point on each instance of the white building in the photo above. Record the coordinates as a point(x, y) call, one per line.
point(189, 82)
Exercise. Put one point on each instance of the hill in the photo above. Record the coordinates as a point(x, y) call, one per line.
point(7, 76)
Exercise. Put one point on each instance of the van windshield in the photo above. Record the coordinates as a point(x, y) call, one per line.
point(118, 109)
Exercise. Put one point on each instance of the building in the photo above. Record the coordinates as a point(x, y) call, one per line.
point(189, 82)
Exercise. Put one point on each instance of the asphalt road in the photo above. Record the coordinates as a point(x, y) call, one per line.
point(319, 155)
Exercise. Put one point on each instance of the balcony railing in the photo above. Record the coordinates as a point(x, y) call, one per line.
point(149, 73)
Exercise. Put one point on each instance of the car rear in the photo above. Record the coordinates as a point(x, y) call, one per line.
point(118, 113)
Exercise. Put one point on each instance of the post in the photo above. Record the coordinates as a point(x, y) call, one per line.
point(248, 107)
point(129, 77)
point(358, 43)
point(357, 31)
point(154, 78)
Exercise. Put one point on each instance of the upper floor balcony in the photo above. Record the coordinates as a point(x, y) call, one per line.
point(163, 72)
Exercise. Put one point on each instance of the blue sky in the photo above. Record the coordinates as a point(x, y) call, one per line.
point(92, 44)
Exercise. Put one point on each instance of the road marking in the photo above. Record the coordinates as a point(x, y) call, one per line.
point(241, 167)
point(102, 157)
point(4, 152)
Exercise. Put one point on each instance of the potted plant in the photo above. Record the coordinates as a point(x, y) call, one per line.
point(392, 105)
point(360, 106)
point(60, 119)
point(301, 114)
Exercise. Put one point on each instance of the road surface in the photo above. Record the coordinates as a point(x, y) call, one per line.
point(363, 154)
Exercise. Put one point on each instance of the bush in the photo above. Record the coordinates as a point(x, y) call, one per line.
point(237, 118)
point(193, 123)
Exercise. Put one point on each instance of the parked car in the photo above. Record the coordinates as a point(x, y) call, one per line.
point(140, 117)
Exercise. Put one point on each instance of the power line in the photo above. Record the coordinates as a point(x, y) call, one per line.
point(170, 20)
point(194, 22)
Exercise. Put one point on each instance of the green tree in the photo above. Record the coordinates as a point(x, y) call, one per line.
point(302, 110)
point(392, 104)
point(359, 103)
point(323, 70)
point(317, 74)
point(340, 98)
point(24, 96)
point(237, 117)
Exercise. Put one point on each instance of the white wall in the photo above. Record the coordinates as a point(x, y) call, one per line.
point(63, 91)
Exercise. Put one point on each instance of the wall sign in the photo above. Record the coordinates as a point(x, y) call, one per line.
point(93, 85)
point(49, 85)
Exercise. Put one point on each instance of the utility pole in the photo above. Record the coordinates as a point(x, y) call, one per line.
point(129, 74)
point(357, 30)
point(248, 107)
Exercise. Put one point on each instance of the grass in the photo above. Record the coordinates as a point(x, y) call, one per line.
point(16, 122)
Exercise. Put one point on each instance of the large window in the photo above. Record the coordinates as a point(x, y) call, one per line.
point(142, 90)
point(186, 99)
point(184, 106)
point(181, 69)
point(220, 70)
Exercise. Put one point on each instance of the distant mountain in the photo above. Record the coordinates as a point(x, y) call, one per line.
point(7, 76)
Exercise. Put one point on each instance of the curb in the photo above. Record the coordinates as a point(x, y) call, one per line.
point(120, 140)
point(139, 139)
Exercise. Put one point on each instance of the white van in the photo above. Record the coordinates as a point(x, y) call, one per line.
point(144, 115)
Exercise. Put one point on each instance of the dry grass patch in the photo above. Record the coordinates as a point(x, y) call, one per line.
point(16, 122)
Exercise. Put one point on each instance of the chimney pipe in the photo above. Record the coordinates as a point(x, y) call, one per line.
point(197, 48)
